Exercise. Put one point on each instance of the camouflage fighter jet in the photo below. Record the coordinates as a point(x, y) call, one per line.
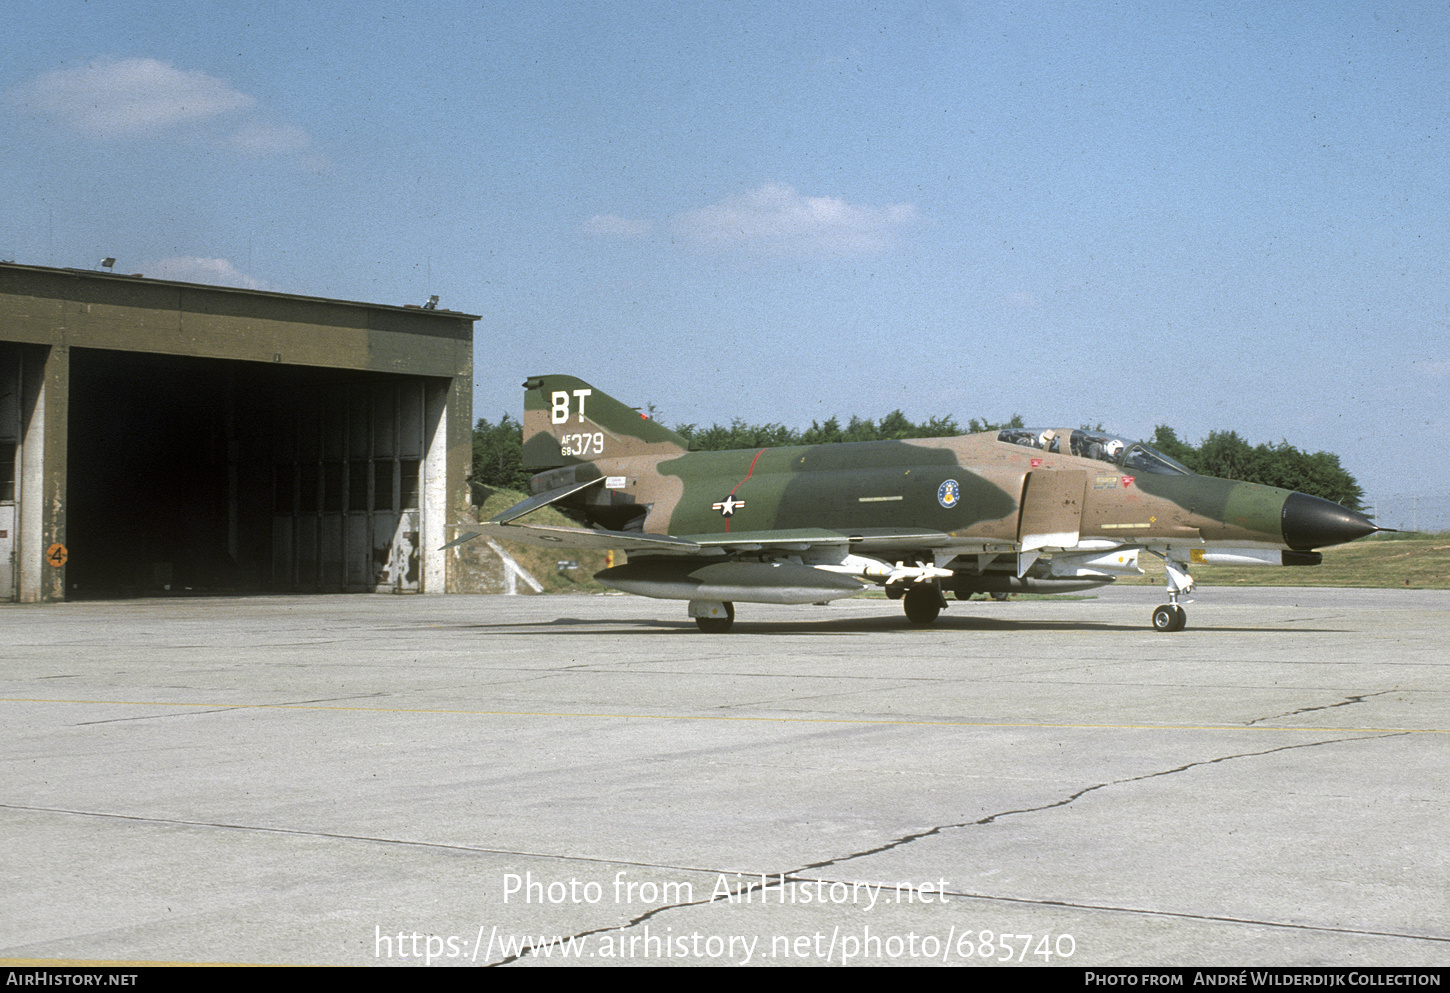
point(1030, 510)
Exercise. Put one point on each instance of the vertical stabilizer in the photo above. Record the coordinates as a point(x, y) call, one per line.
point(567, 421)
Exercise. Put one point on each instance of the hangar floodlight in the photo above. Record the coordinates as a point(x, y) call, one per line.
point(432, 303)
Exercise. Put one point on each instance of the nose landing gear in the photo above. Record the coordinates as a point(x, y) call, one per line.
point(1171, 616)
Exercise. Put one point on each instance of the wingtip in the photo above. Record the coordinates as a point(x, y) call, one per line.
point(466, 536)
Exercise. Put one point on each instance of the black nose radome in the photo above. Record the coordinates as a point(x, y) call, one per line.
point(1313, 522)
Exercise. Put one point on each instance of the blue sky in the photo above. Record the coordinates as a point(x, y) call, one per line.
point(1209, 216)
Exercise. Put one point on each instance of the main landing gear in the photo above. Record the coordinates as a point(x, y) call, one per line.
point(918, 587)
point(712, 616)
point(923, 602)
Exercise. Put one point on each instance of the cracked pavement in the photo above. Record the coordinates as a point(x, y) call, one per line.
point(352, 780)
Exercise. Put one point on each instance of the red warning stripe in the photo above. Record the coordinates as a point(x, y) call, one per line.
point(748, 474)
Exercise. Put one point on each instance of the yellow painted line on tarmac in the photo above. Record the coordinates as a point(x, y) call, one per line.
point(125, 964)
point(713, 717)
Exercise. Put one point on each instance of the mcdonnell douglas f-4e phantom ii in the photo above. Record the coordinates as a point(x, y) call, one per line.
point(1052, 510)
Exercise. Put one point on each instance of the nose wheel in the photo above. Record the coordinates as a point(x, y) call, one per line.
point(1169, 617)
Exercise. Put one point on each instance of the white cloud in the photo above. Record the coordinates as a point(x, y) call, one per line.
point(128, 98)
point(777, 220)
point(214, 272)
point(614, 226)
point(262, 139)
point(119, 97)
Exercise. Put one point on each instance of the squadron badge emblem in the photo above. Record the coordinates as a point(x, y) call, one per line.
point(948, 493)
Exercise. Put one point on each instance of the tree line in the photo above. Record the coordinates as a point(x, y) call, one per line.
point(1229, 456)
point(498, 450)
point(498, 447)
point(895, 426)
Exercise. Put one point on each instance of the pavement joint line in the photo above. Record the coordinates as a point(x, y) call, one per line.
point(790, 877)
point(1348, 701)
point(1181, 914)
point(338, 836)
point(941, 829)
point(222, 707)
point(938, 829)
point(368, 839)
point(796, 875)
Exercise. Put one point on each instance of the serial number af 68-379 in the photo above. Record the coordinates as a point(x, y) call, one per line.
point(582, 444)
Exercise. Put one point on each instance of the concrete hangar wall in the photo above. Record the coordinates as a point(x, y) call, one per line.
point(161, 436)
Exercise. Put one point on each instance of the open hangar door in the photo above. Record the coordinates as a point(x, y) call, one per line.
point(189, 475)
point(348, 457)
point(11, 420)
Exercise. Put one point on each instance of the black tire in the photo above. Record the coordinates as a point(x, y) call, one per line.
point(717, 625)
point(1169, 617)
point(922, 604)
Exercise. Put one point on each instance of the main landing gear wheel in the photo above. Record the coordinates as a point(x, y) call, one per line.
point(922, 604)
point(717, 625)
point(1169, 617)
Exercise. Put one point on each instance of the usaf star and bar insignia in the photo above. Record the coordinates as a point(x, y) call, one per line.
point(728, 506)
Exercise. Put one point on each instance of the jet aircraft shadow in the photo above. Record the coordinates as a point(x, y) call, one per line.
point(844, 626)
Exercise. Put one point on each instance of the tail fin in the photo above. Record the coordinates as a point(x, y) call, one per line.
point(567, 421)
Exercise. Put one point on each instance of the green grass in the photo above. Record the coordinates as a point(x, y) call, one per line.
point(543, 563)
point(1406, 560)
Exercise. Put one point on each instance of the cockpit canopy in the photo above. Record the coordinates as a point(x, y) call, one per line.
point(1131, 456)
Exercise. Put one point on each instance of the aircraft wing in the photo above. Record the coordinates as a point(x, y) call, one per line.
point(791, 539)
point(799, 539)
point(560, 536)
point(533, 503)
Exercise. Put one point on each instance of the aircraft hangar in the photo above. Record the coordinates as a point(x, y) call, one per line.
point(162, 437)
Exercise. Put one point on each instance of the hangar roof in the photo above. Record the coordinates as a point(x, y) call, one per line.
point(142, 277)
point(85, 308)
